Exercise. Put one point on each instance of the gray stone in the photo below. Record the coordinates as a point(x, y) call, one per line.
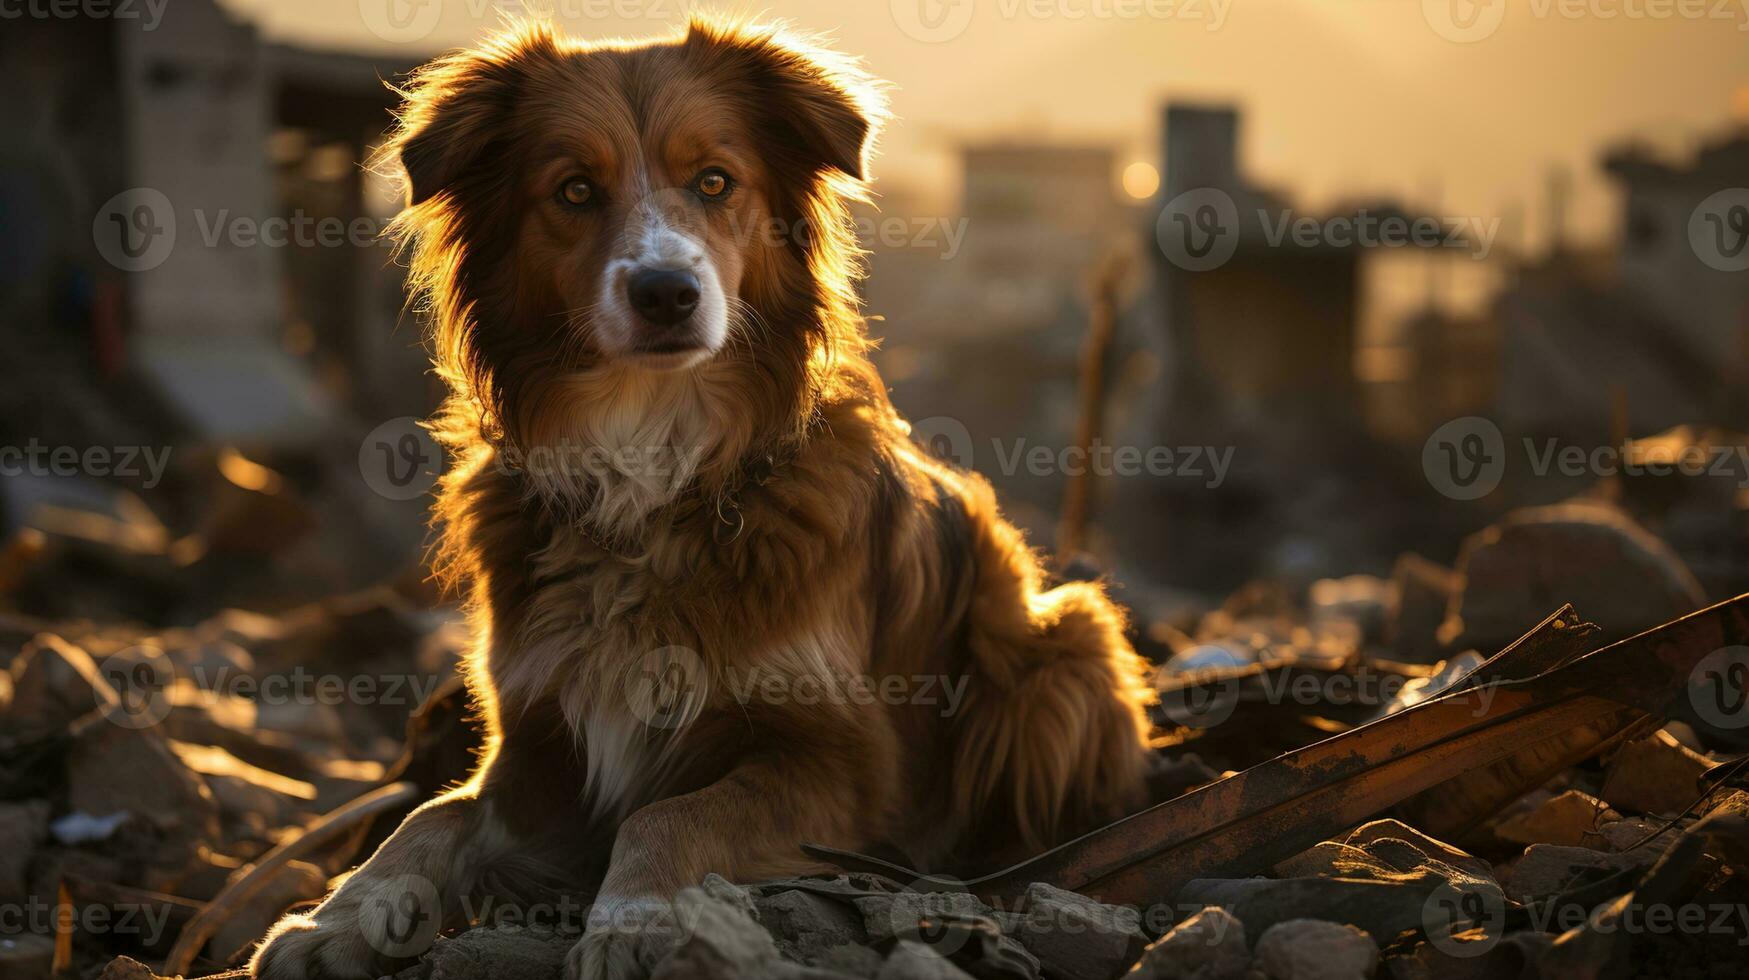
point(721, 889)
point(897, 915)
point(1573, 818)
point(1382, 846)
point(1430, 847)
point(1075, 937)
point(1613, 571)
point(805, 925)
point(856, 961)
point(1550, 869)
point(1312, 949)
point(1209, 945)
point(719, 938)
point(1656, 774)
point(114, 768)
point(497, 954)
point(1424, 590)
point(915, 961)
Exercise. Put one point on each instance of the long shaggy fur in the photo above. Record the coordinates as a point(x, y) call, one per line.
point(818, 641)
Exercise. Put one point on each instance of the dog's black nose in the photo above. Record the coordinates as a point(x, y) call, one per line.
point(663, 296)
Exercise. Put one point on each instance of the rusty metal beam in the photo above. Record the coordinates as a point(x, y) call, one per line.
point(1246, 823)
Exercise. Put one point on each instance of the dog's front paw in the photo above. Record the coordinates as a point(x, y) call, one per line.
point(301, 948)
point(365, 931)
point(626, 938)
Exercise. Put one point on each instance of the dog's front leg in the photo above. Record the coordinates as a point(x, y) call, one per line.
point(388, 911)
point(748, 826)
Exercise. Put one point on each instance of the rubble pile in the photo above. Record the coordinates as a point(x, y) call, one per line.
point(145, 772)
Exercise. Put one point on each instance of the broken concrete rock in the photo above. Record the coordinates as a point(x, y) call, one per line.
point(1632, 832)
point(1588, 554)
point(1384, 909)
point(1512, 955)
point(896, 916)
point(719, 938)
point(1312, 949)
point(127, 968)
point(1430, 847)
point(1573, 818)
point(1546, 870)
point(856, 961)
point(52, 684)
point(494, 954)
point(915, 961)
point(114, 768)
point(1075, 937)
point(1422, 590)
point(804, 924)
point(1656, 774)
point(1209, 945)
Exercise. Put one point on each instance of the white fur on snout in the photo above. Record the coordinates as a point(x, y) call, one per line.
point(654, 241)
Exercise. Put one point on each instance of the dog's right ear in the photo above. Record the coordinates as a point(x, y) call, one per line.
point(457, 108)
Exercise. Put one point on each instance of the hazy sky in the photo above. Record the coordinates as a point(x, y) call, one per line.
point(1342, 97)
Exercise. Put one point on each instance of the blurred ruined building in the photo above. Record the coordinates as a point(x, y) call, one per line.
point(1260, 354)
point(985, 327)
point(233, 337)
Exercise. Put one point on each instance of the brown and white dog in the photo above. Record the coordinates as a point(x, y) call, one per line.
point(721, 596)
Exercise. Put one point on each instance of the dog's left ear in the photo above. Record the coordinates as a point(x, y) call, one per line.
point(457, 109)
point(821, 109)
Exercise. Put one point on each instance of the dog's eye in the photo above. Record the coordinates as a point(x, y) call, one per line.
point(577, 192)
point(713, 183)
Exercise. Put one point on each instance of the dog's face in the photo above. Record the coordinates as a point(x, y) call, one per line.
point(640, 221)
point(642, 207)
